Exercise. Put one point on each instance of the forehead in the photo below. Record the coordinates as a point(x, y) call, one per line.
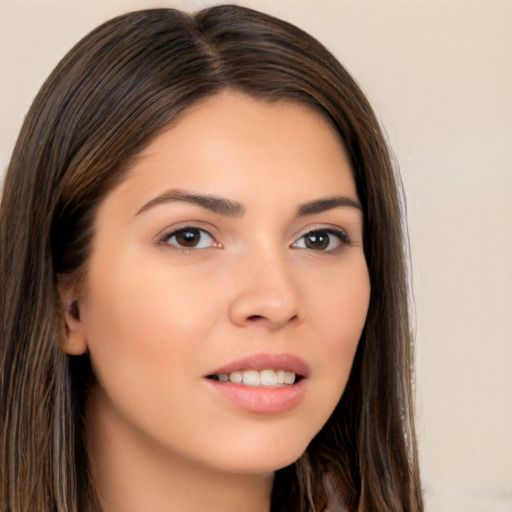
point(248, 150)
point(232, 130)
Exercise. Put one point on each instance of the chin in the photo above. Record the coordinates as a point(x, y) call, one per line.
point(262, 458)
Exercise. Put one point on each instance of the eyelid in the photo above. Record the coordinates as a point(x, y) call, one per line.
point(336, 231)
point(164, 236)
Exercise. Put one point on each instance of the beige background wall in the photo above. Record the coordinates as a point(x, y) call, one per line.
point(439, 74)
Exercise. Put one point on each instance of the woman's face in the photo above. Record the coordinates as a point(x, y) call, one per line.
point(231, 251)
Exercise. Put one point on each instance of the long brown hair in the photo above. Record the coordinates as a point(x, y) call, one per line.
point(107, 99)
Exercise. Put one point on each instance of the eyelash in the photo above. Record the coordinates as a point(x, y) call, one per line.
point(342, 236)
point(187, 229)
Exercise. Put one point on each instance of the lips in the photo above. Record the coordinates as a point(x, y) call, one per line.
point(261, 362)
point(262, 383)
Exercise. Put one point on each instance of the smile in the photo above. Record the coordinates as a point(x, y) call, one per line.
point(258, 378)
point(262, 383)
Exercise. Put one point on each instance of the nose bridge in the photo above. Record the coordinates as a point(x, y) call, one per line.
point(266, 291)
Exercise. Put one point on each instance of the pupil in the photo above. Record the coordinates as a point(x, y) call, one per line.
point(188, 237)
point(317, 240)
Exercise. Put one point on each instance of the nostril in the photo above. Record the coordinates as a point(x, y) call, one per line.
point(295, 320)
point(262, 318)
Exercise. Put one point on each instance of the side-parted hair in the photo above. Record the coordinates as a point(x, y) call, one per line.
point(113, 93)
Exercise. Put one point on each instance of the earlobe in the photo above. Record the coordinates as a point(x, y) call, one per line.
point(72, 339)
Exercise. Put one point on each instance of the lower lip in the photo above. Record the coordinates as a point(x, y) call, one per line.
point(262, 400)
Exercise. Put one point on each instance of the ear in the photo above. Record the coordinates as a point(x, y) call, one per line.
point(72, 340)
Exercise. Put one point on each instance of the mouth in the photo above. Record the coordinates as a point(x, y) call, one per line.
point(262, 383)
point(261, 378)
point(263, 370)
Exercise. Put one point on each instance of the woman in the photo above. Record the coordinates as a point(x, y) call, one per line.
point(205, 301)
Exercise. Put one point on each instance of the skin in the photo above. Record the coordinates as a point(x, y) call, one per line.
point(156, 319)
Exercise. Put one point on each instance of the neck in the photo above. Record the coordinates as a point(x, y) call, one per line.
point(133, 474)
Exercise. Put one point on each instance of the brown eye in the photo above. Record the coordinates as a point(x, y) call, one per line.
point(317, 240)
point(322, 240)
point(190, 238)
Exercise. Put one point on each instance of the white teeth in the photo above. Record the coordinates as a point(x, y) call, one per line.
point(268, 377)
point(236, 377)
point(289, 377)
point(259, 378)
point(252, 378)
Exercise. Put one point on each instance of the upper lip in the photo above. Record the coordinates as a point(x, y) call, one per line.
point(260, 362)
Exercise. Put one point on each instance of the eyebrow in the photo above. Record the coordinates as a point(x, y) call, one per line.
point(215, 204)
point(230, 208)
point(327, 203)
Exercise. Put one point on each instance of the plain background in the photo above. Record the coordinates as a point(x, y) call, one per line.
point(439, 75)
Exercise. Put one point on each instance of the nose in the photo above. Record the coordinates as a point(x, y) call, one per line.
point(266, 295)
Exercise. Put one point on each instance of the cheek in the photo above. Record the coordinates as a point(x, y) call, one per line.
point(146, 338)
point(346, 312)
point(341, 314)
point(142, 301)
point(341, 302)
point(145, 325)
